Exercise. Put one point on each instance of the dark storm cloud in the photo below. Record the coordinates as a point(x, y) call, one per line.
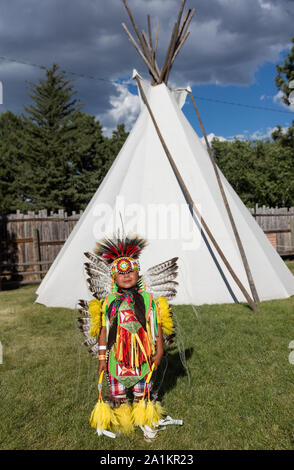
point(229, 40)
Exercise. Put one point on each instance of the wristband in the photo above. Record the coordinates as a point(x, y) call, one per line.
point(101, 357)
point(101, 347)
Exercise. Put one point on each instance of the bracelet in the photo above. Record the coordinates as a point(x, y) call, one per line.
point(101, 357)
point(101, 347)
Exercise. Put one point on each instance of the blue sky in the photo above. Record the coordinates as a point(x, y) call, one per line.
point(248, 117)
point(228, 120)
point(230, 55)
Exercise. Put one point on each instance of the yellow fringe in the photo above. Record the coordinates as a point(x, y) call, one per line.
point(120, 349)
point(150, 338)
point(141, 346)
point(159, 409)
point(153, 413)
point(136, 353)
point(102, 416)
point(95, 311)
point(147, 413)
point(132, 350)
point(166, 318)
point(124, 417)
point(139, 413)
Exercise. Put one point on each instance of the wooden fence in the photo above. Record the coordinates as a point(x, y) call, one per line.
point(30, 242)
point(278, 225)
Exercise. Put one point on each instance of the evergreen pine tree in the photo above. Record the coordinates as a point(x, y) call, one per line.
point(91, 160)
point(119, 136)
point(12, 164)
point(51, 139)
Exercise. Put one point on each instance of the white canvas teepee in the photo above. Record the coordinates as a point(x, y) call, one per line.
point(142, 193)
point(142, 188)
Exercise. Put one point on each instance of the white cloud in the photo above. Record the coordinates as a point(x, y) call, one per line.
point(266, 133)
point(262, 134)
point(210, 138)
point(277, 99)
point(265, 5)
point(125, 108)
point(244, 136)
point(259, 134)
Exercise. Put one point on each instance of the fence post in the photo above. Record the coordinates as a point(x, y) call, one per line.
point(37, 253)
point(292, 232)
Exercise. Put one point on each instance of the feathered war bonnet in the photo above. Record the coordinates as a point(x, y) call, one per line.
point(121, 253)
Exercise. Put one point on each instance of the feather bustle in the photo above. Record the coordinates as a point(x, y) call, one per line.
point(158, 268)
point(84, 313)
point(159, 279)
point(83, 303)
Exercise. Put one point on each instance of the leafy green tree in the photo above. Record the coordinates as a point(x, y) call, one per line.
point(236, 161)
point(284, 77)
point(286, 74)
point(285, 139)
point(260, 172)
point(274, 169)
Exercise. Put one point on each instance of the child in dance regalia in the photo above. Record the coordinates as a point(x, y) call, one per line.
point(126, 329)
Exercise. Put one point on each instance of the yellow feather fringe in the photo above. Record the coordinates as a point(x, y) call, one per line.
point(102, 416)
point(124, 417)
point(95, 310)
point(154, 413)
point(159, 409)
point(166, 318)
point(147, 413)
point(139, 413)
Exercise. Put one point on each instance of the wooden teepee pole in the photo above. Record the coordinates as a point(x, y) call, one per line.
point(182, 37)
point(172, 45)
point(147, 49)
point(191, 202)
point(144, 57)
point(227, 206)
point(144, 46)
point(169, 53)
point(156, 39)
point(150, 35)
point(152, 49)
point(184, 22)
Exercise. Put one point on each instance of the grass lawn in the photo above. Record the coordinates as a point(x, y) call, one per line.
point(236, 391)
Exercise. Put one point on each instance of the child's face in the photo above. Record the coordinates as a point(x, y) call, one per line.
point(126, 281)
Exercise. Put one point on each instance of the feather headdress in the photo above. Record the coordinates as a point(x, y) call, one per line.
point(121, 252)
point(117, 247)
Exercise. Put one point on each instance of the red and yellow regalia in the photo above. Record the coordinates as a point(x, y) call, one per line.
point(132, 319)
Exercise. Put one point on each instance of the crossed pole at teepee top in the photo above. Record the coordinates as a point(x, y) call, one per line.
point(148, 54)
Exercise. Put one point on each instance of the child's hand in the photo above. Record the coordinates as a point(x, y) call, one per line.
point(101, 367)
point(156, 359)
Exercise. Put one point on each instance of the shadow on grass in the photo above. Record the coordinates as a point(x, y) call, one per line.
point(172, 367)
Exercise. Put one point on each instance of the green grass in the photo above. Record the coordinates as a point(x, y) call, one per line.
point(236, 393)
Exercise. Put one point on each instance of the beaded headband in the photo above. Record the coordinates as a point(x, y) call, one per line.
point(124, 265)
